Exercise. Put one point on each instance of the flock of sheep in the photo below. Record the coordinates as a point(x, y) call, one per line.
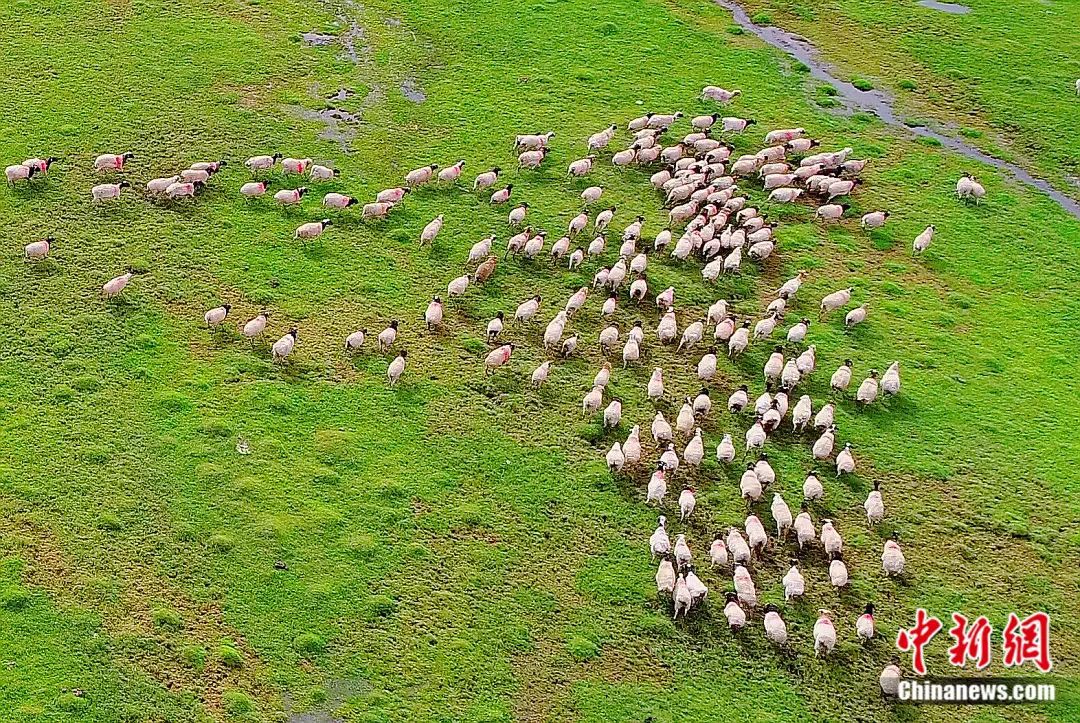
point(711, 220)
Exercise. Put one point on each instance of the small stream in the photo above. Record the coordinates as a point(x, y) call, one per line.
point(881, 104)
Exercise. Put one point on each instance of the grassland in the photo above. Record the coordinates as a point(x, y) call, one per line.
point(455, 549)
point(1001, 76)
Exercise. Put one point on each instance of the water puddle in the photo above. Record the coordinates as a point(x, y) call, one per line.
point(412, 90)
point(881, 104)
point(340, 125)
point(317, 39)
point(950, 8)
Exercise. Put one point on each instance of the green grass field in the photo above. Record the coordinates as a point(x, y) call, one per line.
point(455, 547)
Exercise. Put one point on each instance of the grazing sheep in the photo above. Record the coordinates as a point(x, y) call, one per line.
point(833, 301)
point(312, 229)
point(284, 346)
point(856, 316)
point(262, 163)
point(108, 191)
point(433, 314)
point(37, 250)
point(864, 625)
point(486, 179)
point(824, 634)
point(215, 316)
point(892, 557)
point(431, 230)
point(923, 240)
point(354, 341)
point(114, 286)
point(890, 382)
point(377, 210)
point(874, 219)
point(845, 461)
point(540, 373)
point(969, 188)
point(868, 390)
point(388, 336)
point(793, 582)
point(397, 367)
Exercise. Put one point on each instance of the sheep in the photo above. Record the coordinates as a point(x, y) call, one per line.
point(874, 506)
point(801, 145)
point(433, 314)
point(481, 249)
point(824, 445)
point(486, 179)
point(740, 551)
point(663, 238)
point(775, 629)
point(892, 557)
point(377, 210)
point(601, 139)
point(804, 528)
point(762, 404)
point(655, 493)
point(749, 484)
point(724, 329)
point(517, 214)
point(800, 416)
point(569, 345)
point(755, 533)
point(41, 166)
point(624, 158)
point(659, 542)
point(486, 269)
point(191, 175)
point(720, 95)
point(592, 194)
point(824, 418)
point(772, 417)
point(874, 219)
point(706, 366)
point(183, 190)
point(778, 180)
point(284, 346)
point(725, 451)
point(632, 445)
point(812, 487)
point(431, 230)
point(744, 586)
point(295, 165)
point(663, 120)
point(494, 327)
point(252, 189)
point(262, 163)
point(415, 177)
point(388, 336)
point(967, 187)
point(527, 309)
point(736, 616)
point(578, 223)
point(661, 430)
point(764, 328)
point(631, 351)
point(856, 316)
point(112, 161)
point(841, 378)
point(684, 422)
point(450, 174)
point(613, 414)
point(824, 634)
point(868, 390)
point(639, 263)
point(797, 333)
point(845, 461)
point(831, 211)
point(38, 250)
point(502, 195)
point(739, 340)
point(785, 195)
point(738, 400)
point(665, 576)
point(666, 329)
point(114, 286)
point(694, 452)
point(773, 365)
point(108, 191)
point(838, 572)
point(19, 172)
point(158, 186)
point(580, 166)
point(691, 335)
point(686, 503)
point(397, 367)
point(532, 159)
point(718, 553)
point(576, 300)
point(840, 188)
point(497, 357)
point(540, 374)
point(681, 213)
point(289, 196)
point(603, 219)
point(731, 124)
point(854, 166)
point(354, 341)
point(682, 597)
point(833, 301)
point(533, 141)
point(793, 582)
point(214, 317)
point(323, 173)
point(638, 289)
point(590, 403)
point(864, 625)
point(554, 330)
point(889, 680)
point(255, 326)
point(890, 382)
point(313, 229)
point(830, 538)
point(923, 240)
point(559, 248)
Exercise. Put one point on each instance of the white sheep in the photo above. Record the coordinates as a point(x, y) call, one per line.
point(632, 445)
point(681, 597)
point(785, 195)
point(502, 195)
point(775, 629)
point(838, 572)
point(601, 139)
point(824, 634)
point(486, 179)
point(615, 458)
point(874, 506)
point(214, 317)
point(433, 314)
point(793, 582)
point(892, 557)
point(284, 346)
point(923, 240)
point(656, 490)
point(414, 178)
point(890, 382)
point(114, 286)
point(720, 95)
point(824, 445)
point(613, 414)
point(37, 250)
point(397, 367)
point(659, 542)
point(736, 616)
point(112, 161)
point(354, 341)
point(804, 528)
point(744, 586)
point(388, 336)
point(262, 163)
point(295, 166)
point(874, 219)
point(665, 577)
point(856, 316)
point(431, 230)
point(868, 390)
point(833, 301)
point(889, 680)
point(255, 326)
point(845, 461)
point(108, 191)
